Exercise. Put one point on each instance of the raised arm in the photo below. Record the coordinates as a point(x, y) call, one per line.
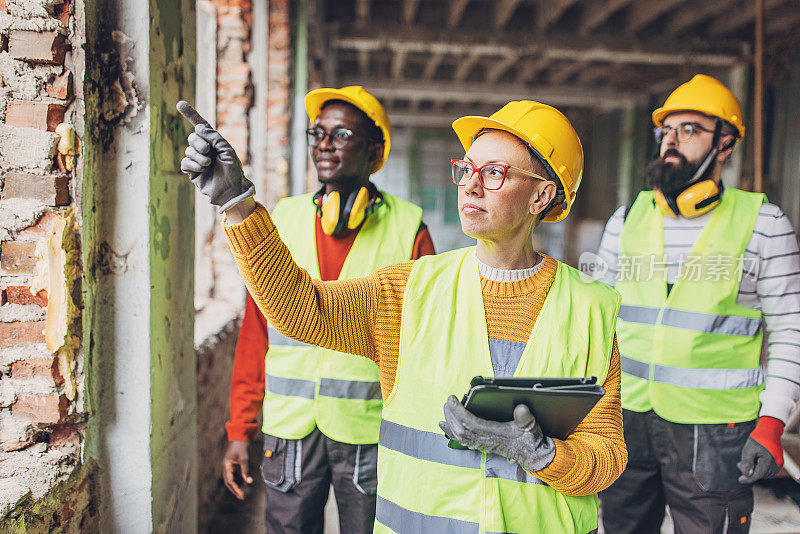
point(339, 315)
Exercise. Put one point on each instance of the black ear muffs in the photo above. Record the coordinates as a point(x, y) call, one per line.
point(336, 215)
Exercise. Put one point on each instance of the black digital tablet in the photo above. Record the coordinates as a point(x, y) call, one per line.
point(558, 404)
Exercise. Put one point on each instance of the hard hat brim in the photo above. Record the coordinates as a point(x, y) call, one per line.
point(316, 99)
point(467, 128)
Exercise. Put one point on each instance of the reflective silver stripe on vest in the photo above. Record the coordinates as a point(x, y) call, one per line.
point(424, 445)
point(276, 338)
point(350, 389)
point(432, 447)
point(499, 467)
point(638, 314)
point(401, 519)
point(291, 387)
point(635, 367)
point(694, 378)
point(731, 325)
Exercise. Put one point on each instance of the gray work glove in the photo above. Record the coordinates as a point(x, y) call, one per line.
point(212, 164)
point(520, 440)
point(757, 463)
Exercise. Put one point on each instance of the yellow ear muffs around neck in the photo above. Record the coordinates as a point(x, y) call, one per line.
point(330, 218)
point(336, 215)
point(695, 200)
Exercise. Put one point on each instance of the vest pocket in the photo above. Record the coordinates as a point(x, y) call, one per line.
point(280, 466)
point(717, 449)
point(365, 470)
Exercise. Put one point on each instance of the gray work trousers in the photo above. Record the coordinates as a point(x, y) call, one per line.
point(691, 468)
point(298, 474)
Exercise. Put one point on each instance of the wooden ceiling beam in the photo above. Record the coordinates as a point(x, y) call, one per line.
point(398, 62)
point(410, 8)
point(566, 71)
point(456, 12)
point(597, 12)
point(363, 62)
point(531, 68)
point(686, 18)
point(779, 24)
point(548, 13)
point(500, 67)
point(731, 20)
point(503, 9)
point(363, 11)
point(432, 66)
point(500, 94)
point(466, 65)
point(608, 50)
point(643, 13)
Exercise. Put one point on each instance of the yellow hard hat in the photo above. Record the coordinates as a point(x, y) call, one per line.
point(360, 98)
point(705, 95)
point(547, 131)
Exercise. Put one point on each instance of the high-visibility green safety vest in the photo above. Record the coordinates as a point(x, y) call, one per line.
point(308, 386)
point(425, 486)
point(692, 355)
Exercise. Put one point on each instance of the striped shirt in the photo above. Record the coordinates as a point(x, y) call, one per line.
point(770, 283)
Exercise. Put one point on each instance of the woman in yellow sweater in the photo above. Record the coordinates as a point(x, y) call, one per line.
point(498, 309)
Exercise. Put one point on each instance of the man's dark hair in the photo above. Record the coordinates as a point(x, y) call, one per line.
point(371, 129)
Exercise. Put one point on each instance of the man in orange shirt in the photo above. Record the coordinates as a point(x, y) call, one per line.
point(349, 140)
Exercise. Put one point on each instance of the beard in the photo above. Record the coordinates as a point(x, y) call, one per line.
point(667, 176)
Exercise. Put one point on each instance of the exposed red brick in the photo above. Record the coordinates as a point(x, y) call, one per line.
point(22, 295)
point(3, 6)
point(21, 333)
point(17, 257)
point(60, 87)
point(66, 435)
point(40, 230)
point(38, 47)
point(39, 115)
point(40, 408)
point(62, 13)
point(52, 190)
point(33, 369)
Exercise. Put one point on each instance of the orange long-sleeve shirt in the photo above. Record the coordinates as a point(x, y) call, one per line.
point(362, 316)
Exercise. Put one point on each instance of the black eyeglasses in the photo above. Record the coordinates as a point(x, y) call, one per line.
point(684, 131)
point(339, 138)
point(491, 175)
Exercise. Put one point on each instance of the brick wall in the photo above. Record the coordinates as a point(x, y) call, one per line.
point(279, 101)
point(234, 91)
point(219, 301)
point(41, 385)
point(214, 369)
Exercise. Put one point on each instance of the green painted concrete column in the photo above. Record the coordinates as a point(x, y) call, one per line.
point(138, 213)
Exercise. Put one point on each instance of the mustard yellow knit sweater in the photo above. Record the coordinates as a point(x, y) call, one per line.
point(362, 316)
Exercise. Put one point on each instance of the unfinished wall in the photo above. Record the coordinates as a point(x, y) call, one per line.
point(279, 100)
point(251, 61)
point(44, 483)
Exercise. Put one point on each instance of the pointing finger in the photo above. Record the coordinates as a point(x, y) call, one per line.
point(190, 114)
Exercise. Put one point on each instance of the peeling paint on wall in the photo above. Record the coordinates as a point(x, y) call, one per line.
point(57, 270)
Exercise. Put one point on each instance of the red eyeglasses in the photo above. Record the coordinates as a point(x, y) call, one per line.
point(491, 175)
